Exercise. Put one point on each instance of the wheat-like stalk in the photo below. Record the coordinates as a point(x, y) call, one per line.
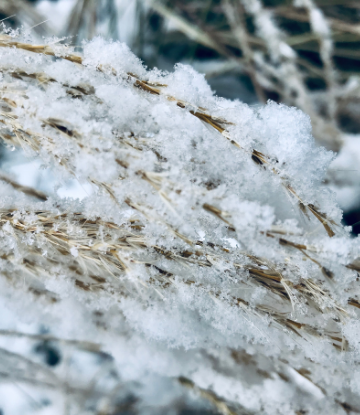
point(202, 114)
point(157, 239)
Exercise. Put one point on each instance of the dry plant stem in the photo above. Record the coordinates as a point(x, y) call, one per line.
point(277, 285)
point(327, 133)
point(24, 12)
point(325, 44)
point(222, 406)
point(30, 191)
point(236, 20)
point(8, 42)
point(258, 157)
point(228, 408)
point(26, 371)
point(85, 345)
point(204, 38)
point(217, 123)
point(192, 31)
point(151, 258)
point(31, 366)
point(257, 11)
point(336, 24)
point(106, 254)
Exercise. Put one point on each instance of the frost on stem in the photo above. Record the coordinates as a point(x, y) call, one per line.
point(209, 256)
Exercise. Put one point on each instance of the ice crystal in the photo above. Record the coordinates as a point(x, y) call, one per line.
point(207, 253)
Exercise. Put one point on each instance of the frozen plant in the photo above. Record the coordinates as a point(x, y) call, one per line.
point(207, 270)
point(295, 52)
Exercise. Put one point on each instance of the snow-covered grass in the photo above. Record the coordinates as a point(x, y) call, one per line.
point(207, 267)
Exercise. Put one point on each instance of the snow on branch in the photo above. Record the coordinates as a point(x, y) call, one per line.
point(209, 256)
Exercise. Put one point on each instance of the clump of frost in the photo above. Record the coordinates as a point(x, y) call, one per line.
point(112, 55)
point(207, 254)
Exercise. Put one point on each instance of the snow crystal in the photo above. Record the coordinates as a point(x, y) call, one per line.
point(203, 250)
